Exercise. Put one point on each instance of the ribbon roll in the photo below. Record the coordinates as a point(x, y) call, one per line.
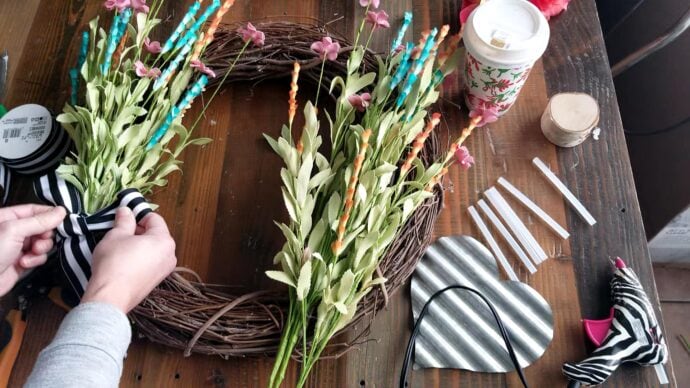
point(76, 238)
point(30, 142)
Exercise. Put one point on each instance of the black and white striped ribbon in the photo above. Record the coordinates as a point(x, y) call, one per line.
point(76, 236)
point(46, 156)
point(4, 182)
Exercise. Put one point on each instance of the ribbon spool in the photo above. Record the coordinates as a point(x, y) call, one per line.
point(31, 141)
point(569, 118)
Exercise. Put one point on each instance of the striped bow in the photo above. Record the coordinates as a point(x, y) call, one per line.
point(76, 238)
point(4, 183)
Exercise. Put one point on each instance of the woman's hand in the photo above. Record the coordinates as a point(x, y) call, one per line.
point(130, 261)
point(26, 237)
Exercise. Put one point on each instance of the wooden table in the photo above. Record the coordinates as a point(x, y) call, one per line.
point(221, 208)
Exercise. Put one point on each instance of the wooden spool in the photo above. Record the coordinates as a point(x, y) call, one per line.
point(569, 118)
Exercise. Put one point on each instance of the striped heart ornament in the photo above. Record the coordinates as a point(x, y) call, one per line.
point(459, 331)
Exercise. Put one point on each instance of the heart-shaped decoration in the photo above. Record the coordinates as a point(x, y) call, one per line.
point(458, 330)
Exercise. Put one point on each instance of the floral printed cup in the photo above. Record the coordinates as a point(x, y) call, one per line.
point(503, 39)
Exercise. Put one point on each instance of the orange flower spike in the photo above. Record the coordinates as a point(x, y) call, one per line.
point(207, 38)
point(453, 43)
point(120, 48)
point(442, 34)
point(294, 87)
point(350, 194)
point(466, 132)
point(419, 143)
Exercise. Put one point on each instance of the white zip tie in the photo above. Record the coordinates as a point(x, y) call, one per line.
point(516, 225)
point(492, 243)
point(541, 214)
point(567, 194)
point(506, 236)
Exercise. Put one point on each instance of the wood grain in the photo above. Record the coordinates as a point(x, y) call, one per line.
point(220, 209)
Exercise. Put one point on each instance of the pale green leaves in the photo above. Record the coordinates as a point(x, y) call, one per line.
point(304, 280)
point(111, 131)
point(281, 277)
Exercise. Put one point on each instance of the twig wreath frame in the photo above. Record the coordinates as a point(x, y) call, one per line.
point(186, 313)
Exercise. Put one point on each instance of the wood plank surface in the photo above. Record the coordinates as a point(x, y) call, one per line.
point(221, 208)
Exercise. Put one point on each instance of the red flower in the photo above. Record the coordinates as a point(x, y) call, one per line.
point(547, 7)
point(378, 19)
point(201, 67)
point(488, 114)
point(152, 47)
point(120, 5)
point(251, 33)
point(360, 101)
point(142, 71)
point(502, 84)
point(370, 3)
point(462, 155)
point(326, 48)
point(551, 7)
point(466, 9)
point(140, 6)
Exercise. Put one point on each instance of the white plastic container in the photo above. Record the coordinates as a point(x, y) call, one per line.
point(503, 39)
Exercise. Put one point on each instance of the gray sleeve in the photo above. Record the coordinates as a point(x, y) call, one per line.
point(87, 351)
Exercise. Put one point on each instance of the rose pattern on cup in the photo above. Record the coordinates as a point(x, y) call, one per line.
point(493, 87)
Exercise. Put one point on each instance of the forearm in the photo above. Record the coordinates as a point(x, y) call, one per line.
point(87, 351)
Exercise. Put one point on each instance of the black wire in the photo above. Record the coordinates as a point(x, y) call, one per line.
point(659, 131)
point(418, 325)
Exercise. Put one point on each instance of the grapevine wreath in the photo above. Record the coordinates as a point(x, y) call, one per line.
point(184, 312)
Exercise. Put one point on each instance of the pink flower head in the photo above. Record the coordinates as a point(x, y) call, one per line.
point(140, 6)
point(466, 9)
point(488, 115)
point(143, 71)
point(251, 33)
point(152, 47)
point(551, 7)
point(120, 5)
point(201, 67)
point(326, 48)
point(370, 3)
point(378, 19)
point(360, 101)
point(462, 155)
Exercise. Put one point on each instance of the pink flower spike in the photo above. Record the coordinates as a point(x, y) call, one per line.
point(140, 6)
point(462, 155)
point(378, 19)
point(251, 33)
point(488, 115)
point(120, 5)
point(201, 67)
point(360, 101)
point(326, 48)
point(142, 71)
point(152, 47)
point(370, 3)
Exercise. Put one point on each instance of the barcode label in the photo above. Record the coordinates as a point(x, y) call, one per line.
point(11, 133)
point(639, 332)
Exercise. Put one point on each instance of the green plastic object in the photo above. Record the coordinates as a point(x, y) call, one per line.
point(3, 110)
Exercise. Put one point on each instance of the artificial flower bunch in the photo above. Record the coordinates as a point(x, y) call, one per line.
point(346, 205)
point(135, 95)
point(548, 8)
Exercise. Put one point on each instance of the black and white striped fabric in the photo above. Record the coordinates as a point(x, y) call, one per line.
point(459, 331)
point(76, 237)
point(4, 182)
point(32, 142)
point(634, 336)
